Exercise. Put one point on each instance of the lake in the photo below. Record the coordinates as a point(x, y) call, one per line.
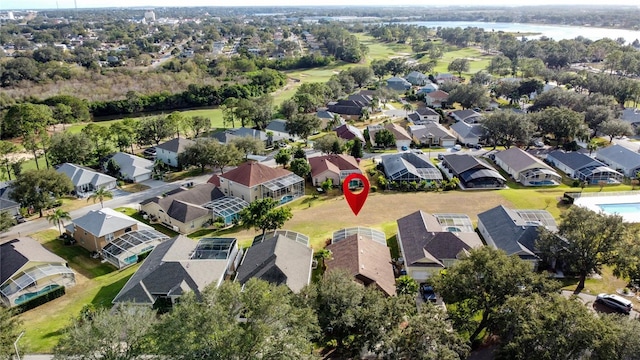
point(556, 32)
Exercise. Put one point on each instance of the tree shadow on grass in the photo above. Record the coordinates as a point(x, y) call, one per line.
point(107, 293)
point(79, 259)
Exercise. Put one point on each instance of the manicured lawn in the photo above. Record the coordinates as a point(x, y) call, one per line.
point(477, 61)
point(96, 284)
point(382, 50)
point(136, 215)
point(134, 188)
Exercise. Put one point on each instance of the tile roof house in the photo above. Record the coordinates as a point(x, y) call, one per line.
point(349, 132)
point(279, 129)
point(178, 266)
point(334, 167)
point(620, 158)
point(515, 231)
point(472, 172)
point(168, 152)
point(583, 167)
point(432, 134)
point(365, 257)
point(436, 98)
point(28, 270)
point(133, 167)
point(86, 180)
point(97, 228)
point(417, 78)
point(467, 133)
point(429, 244)
point(252, 181)
point(278, 259)
point(526, 168)
point(187, 210)
point(410, 166)
point(6, 203)
point(403, 139)
point(398, 84)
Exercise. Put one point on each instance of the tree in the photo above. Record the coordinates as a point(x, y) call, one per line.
point(199, 154)
point(459, 65)
point(384, 138)
point(481, 282)
point(616, 127)
point(100, 195)
point(356, 149)
point(119, 334)
point(506, 128)
point(57, 218)
point(68, 147)
point(225, 155)
point(597, 114)
point(531, 328)
point(303, 125)
point(11, 327)
point(6, 221)
point(288, 108)
point(6, 149)
point(619, 338)
point(152, 130)
point(362, 75)
point(481, 78)
point(299, 153)
point(199, 125)
point(406, 285)
point(282, 157)
point(500, 65)
point(265, 215)
point(300, 167)
point(25, 118)
point(326, 143)
point(124, 134)
point(564, 124)
point(249, 145)
point(586, 240)
point(206, 326)
point(38, 189)
point(407, 107)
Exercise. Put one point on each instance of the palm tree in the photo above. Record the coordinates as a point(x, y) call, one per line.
point(101, 194)
point(57, 218)
point(407, 107)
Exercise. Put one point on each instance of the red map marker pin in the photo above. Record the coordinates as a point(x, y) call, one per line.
point(355, 201)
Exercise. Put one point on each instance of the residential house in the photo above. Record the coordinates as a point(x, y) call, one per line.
point(126, 249)
point(253, 181)
point(620, 158)
point(132, 167)
point(582, 167)
point(329, 120)
point(334, 167)
point(225, 137)
point(363, 252)
point(426, 114)
point(97, 228)
point(281, 258)
point(437, 99)
point(86, 180)
point(178, 266)
point(472, 172)
point(431, 243)
point(398, 84)
point(28, 270)
point(278, 127)
point(469, 116)
point(168, 152)
point(6, 203)
point(362, 97)
point(432, 134)
point(428, 88)
point(417, 78)
point(186, 210)
point(515, 231)
point(349, 109)
point(526, 168)
point(403, 139)
point(444, 77)
point(631, 115)
point(409, 167)
point(471, 134)
point(349, 132)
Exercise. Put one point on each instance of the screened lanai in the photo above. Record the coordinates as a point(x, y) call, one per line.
point(373, 234)
point(35, 281)
point(227, 207)
point(125, 250)
point(593, 174)
point(410, 167)
point(455, 222)
point(283, 189)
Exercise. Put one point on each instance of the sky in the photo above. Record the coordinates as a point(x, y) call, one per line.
point(52, 4)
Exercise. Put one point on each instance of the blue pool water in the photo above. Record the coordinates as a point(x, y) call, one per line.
point(285, 199)
point(542, 182)
point(630, 208)
point(28, 296)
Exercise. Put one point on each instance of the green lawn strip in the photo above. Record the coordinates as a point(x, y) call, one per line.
point(136, 215)
point(44, 324)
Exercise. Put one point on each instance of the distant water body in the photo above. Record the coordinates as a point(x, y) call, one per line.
point(556, 32)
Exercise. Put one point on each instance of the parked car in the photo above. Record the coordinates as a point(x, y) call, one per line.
point(440, 156)
point(615, 302)
point(20, 219)
point(150, 152)
point(457, 147)
point(427, 292)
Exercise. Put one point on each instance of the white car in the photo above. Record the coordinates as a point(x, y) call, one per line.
point(615, 302)
point(457, 147)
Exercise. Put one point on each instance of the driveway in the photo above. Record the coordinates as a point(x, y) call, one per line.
point(590, 301)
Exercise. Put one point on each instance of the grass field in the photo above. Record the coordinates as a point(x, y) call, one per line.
point(477, 61)
point(383, 50)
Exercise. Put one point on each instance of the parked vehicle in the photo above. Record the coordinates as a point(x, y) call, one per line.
point(20, 219)
point(615, 302)
point(457, 147)
point(150, 152)
point(427, 292)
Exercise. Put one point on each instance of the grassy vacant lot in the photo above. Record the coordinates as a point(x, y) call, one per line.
point(96, 284)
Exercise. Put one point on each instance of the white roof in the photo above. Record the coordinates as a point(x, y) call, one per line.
point(132, 165)
point(105, 221)
point(80, 176)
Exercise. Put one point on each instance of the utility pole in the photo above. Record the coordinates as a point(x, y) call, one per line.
point(15, 344)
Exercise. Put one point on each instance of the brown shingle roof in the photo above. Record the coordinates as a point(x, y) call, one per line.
point(368, 261)
point(438, 95)
point(252, 173)
point(335, 163)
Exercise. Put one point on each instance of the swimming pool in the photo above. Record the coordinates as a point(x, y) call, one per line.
point(627, 208)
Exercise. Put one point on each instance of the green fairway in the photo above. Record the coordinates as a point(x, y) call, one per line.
point(383, 50)
point(477, 61)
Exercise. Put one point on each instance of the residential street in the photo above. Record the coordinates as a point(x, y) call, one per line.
point(590, 301)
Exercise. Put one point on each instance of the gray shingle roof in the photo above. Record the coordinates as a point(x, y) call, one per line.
point(81, 176)
point(460, 163)
point(176, 145)
point(427, 111)
point(132, 165)
point(620, 155)
point(414, 164)
point(185, 205)
point(278, 125)
point(278, 260)
point(104, 221)
point(519, 159)
point(16, 253)
point(574, 160)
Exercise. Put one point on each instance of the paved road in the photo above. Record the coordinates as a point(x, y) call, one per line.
point(590, 301)
point(130, 200)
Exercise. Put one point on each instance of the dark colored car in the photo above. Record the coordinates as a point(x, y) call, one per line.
point(427, 293)
point(20, 219)
point(150, 151)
